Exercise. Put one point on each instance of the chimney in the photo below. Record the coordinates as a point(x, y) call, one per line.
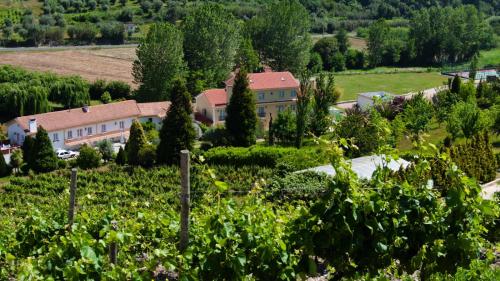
point(282, 78)
point(86, 108)
point(32, 125)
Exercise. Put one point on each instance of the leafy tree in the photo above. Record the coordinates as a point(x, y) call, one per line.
point(247, 57)
point(113, 32)
point(303, 106)
point(16, 159)
point(177, 132)
point(315, 63)
point(467, 120)
point(417, 115)
point(326, 47)
point(342, 41)
point(217, 136)
point(136, 141)
point(211, 40)
point(281, 35)
point(284, 128)
point(97, 88)
point(44, 158)
point(106, 149)
point(473, 67)
point(159, 61)
point(106, 98)
point(118, 90)
point(377, 38)
point(121, 157)
point(443, 102)
point(324, 96)
point(89, 158)
point(4, 170)
point(241, 120)
point(147, 156)
point(3, 133)
point(366, 131)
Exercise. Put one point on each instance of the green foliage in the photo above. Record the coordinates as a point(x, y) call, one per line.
point(147, 156)
point(467, 120)
point(106, 98)
point(44, 158)
point(211, 40)
point(159, 61)
point(366, 131)
point(28, 149)
point(315, 63)
point(326, 47)
point(281, 35)
point(121, 157)
point(456, 84)
point(476, 158)
point(417, 115)
point(241, 120)
point(135, 143)
point(106, 149)
point(303, 106)
point(307, 186)
point(89, 158)
point(16, 159)
point(216, 136)
point(70, 91)
point(284, 128)
point(324, 96)
point(177, 132)
point(247, 57)
point(112, 32)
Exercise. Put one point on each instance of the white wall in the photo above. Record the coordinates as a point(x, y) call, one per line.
point(16, 134)
point(203, 104)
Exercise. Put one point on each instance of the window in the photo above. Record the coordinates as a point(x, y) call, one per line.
point(262, 112)
point(262, 96)
point(89, 130)
point(103, 128)
point(222, 115)
point(293, 93)
point(282, 94)
point(280, 108)
point(55, 137)
point(204, 111)
point(79, 132)
point(122, 125)
point(70, 134)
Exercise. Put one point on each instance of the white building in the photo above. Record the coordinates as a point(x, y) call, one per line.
point(74, 127)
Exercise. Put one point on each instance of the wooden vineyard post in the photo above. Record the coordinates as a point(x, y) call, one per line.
point(113, 249)
point(185, 186)
point(72, 198)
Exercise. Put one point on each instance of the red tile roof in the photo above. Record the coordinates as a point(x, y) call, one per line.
point(158, 109)
point(76, 117)
point(216, 97)
point(269, 80)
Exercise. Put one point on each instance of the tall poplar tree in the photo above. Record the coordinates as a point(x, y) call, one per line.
point(241, 120)
point(324, 95)
point(159, 61)
point(303, 106)
point(177, 132)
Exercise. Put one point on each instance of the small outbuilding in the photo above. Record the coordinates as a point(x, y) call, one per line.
point(367, 100)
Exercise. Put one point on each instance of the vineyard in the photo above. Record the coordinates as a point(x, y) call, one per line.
point(247, 223)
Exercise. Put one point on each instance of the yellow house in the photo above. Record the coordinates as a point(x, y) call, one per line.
point(274, 92)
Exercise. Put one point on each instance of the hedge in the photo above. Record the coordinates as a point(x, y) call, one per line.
point(286, 158)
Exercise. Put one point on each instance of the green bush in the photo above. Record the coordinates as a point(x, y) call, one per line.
point(89, 158)
point(298, 186)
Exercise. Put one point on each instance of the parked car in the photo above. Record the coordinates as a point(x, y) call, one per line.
point(66, 154)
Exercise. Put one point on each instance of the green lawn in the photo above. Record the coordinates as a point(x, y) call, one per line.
point(489, 58)
point(396, 83)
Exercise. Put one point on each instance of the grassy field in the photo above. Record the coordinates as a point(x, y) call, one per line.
point(397, 83)
point(490, 58)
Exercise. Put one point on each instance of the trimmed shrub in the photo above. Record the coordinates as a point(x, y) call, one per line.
point(89, 158)
point(118, 90)
point(298, 186)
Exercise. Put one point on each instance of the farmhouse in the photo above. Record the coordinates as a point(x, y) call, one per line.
point(274, 92)
point(88, 125)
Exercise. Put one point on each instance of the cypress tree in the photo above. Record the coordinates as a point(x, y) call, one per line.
point(28, 149)
point(136, 142)
point(121, 157)
point(177, 132)
point(456, 84)
point(44, 157)
point(4, 170)
point(241, 121)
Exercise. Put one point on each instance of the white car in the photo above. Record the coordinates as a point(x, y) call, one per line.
point(66, 154)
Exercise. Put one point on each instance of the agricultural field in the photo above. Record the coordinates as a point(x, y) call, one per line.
point(396, 83)
point(91, 64)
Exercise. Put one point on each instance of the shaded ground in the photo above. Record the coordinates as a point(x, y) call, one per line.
point(92, 64)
